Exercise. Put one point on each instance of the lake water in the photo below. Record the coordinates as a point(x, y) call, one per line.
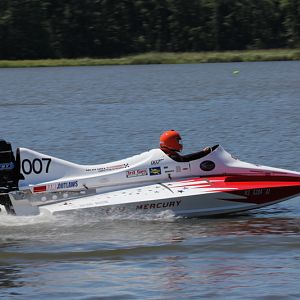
point(99, 114)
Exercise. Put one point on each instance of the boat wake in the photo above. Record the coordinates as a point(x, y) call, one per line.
point(82, 218)
point(12, 220)
point(96, 216)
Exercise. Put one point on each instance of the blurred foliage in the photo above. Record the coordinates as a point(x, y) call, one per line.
point(37, 29)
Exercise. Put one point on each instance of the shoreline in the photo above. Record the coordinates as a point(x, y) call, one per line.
point(163, 58)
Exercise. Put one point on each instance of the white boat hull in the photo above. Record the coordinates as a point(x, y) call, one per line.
point(188, 198)
point(151, 182)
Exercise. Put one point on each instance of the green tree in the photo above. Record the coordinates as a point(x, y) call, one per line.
point(291, 11)
point(111, 28)
point(25, 33)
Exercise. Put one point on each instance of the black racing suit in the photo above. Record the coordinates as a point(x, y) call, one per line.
point(186, 158)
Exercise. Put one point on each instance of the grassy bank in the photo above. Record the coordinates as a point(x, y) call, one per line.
point(164, 58)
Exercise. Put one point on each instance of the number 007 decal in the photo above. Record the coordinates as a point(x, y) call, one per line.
point(36, 166)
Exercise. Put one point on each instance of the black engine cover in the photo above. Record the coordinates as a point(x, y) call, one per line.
point(9, 169)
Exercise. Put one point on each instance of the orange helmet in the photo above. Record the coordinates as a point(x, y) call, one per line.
point(171, 139)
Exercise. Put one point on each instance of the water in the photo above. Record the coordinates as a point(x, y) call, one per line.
point(99, 114)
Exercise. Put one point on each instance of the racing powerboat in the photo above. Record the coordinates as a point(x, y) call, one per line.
point(216, 183)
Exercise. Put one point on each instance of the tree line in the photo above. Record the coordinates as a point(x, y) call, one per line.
point(34, 29)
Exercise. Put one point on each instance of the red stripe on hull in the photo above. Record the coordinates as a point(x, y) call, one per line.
point(265, 195)
point(240, 182)
point(252, 189)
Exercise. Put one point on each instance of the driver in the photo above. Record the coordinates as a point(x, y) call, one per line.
point(170, 144)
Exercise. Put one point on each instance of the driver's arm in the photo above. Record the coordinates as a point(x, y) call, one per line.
point(196, 155)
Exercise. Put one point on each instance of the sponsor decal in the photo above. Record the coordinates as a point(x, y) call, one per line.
point(185, 169)
point(156, 162)
point(52, 187)
point(40, 189)
point(67, 185)
point(166, 167)
point(170, 171)
point(158, 205)
point(136, 173)
point(207, 165)
point(108, 168)
point(55, 186)
point(7, 166)
point(117, 167)
point(154, 171)
point(178, 169)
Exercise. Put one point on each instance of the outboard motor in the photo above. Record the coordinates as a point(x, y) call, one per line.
point(9, 175)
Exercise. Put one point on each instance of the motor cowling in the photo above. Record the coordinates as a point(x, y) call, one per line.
point(9, 174)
